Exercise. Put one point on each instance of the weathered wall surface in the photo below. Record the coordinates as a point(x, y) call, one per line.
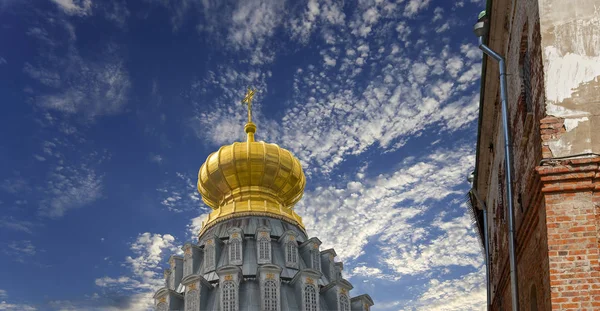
point(571, 198)
point(519, 36)
point(571, 52)
point(552, 51)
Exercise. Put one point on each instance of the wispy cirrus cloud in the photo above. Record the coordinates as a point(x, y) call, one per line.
point(70, 83)
point(466, 292)
point(133, 291)
point(81, 87)
point(11, 223)
point(375, 85)
point(75, 7)
point(385, 204)
point(136, 289)
point(4, 305)
point(180, 194)
point(72, 91)
point(16, 307)
point(20, 250)
point(363, 94)
point(16, 184)
point(70, 187)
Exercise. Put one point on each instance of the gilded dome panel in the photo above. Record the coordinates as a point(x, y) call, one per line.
point(251, 177)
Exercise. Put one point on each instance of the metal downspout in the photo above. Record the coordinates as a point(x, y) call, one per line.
point(508, 168)
point(486, 245)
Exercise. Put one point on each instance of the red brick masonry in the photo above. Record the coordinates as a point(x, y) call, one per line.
point(571, 191)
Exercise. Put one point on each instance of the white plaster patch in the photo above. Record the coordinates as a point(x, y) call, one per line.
point(566, 72)
point(570, 124)
point(560, 147)
point(562, 112)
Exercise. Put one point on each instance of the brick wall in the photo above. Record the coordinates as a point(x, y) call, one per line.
point(571, 190)
point(522, 38)
point(556, 201)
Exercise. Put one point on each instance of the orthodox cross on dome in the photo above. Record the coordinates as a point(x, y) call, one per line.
point(248, 100)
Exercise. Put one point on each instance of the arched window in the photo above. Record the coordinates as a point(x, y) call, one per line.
point(162, 306)
point(209, 257)
point(271, 298)
point(264, 250)
point(344, 303)
point(192, 300)
point(316, 259)
point(310, 298)
point(229, 298)
point(235, 250)
point(292, 252)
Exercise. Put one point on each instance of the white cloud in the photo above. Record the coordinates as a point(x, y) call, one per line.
point(17, 225)
point(193, 228)
point(347, 217)
point(438, 13)
point(445, 26)
point(180, 194)
point(3, 294)
point(93, 89)
point(16, 307)
point(457, 245)
point(464, 293)
point(371, 273)
point(403, 30)
point(70, 187)
point(243, 26)
point(20, 250)
point(75, 7)
point(471, 75)
point(150, 252)
point(133, 302)
point(454, 65)
point(224, 122)
point(15, 185)
point(156, 158)
point(3, 60)
point(117, 12)
point(328, 12)
point(414, 6)
point(255, 21)
point(471, 51)
point(74, 84)
point(329, 61)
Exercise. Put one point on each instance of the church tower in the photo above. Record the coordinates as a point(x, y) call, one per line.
point(253, 252)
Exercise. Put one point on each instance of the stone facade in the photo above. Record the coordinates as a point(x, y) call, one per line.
point(292, 273)
point(552, 52)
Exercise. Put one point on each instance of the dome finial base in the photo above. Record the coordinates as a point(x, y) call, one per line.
point(250, 129)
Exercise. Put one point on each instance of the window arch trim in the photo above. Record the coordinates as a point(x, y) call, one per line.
point(229, 296)
point(310, 298)
point(344, 302)
point(270, 295)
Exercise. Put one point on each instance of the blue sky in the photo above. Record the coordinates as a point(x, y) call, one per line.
point(110, 107)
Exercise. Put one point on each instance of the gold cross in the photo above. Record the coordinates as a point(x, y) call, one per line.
point(248, 100)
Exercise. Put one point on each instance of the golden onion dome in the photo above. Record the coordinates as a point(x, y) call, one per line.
point(251, 178)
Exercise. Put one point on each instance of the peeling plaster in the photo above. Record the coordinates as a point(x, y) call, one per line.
point(570, 32)
point(566, 72)
point(570, 124)
point(563, 112)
